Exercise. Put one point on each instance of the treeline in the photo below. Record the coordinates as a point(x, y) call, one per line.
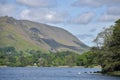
point(107, 50)
point(10, 57)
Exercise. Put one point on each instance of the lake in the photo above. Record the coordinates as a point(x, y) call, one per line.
point(52, 73)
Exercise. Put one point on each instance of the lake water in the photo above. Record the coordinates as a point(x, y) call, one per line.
point(52, 73)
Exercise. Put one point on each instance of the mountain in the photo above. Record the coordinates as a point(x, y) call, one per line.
point(24, 34)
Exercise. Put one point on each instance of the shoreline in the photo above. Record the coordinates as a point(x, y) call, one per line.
point(55, 66)
point(114, 73)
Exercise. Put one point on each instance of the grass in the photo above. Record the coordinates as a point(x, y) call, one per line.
point(114, 73)
point(20, 42)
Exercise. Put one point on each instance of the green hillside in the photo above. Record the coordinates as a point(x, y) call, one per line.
point(10, 35)
point(23, 35)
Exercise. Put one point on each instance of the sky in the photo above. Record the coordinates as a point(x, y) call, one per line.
point(83, 18)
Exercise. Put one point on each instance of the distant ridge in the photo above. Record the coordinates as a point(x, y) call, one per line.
point(24, 34)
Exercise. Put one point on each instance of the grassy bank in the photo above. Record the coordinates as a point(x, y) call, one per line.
point(114, 73)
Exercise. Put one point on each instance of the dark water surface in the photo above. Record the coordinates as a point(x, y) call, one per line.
point(45, 73)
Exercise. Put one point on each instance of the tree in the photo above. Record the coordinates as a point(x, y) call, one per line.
point(115, 46)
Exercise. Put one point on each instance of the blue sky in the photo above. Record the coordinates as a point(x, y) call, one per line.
point(83, 18)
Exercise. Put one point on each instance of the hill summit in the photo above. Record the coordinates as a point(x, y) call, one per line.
point(24, 34)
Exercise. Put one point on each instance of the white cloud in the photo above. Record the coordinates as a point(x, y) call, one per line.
point(25, 14)
point(57, 17)
point(38, 3)
point(83, 18)
point(34, 15)
point(7, 9)
point(44, 15)
point(47, 16)
point(92, 30)
point(86, 3)
point(109, 18)
point(95, 3)
point(111, 10)
point(111, 15)
point(114, 10)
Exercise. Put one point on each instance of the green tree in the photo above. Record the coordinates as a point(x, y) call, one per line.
point(115, 46)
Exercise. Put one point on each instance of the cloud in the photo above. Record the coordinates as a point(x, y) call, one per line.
point(85, 36)
point(25, 14)
point(86, 3)
point(50, 16)
point(109, 18)
point(7, 9)
point(112, 14)
point(114, 10)
point(95, 3)
point(56, 17)
point(44, 15)
point(83, 18)
point(38, 3)
point(93, 30)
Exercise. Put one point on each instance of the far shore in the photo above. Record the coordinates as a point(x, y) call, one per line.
point(56, 66)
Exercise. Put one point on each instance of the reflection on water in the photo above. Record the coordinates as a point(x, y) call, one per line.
point(32, 73)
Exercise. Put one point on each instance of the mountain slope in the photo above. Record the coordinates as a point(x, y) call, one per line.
point(24, 34)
